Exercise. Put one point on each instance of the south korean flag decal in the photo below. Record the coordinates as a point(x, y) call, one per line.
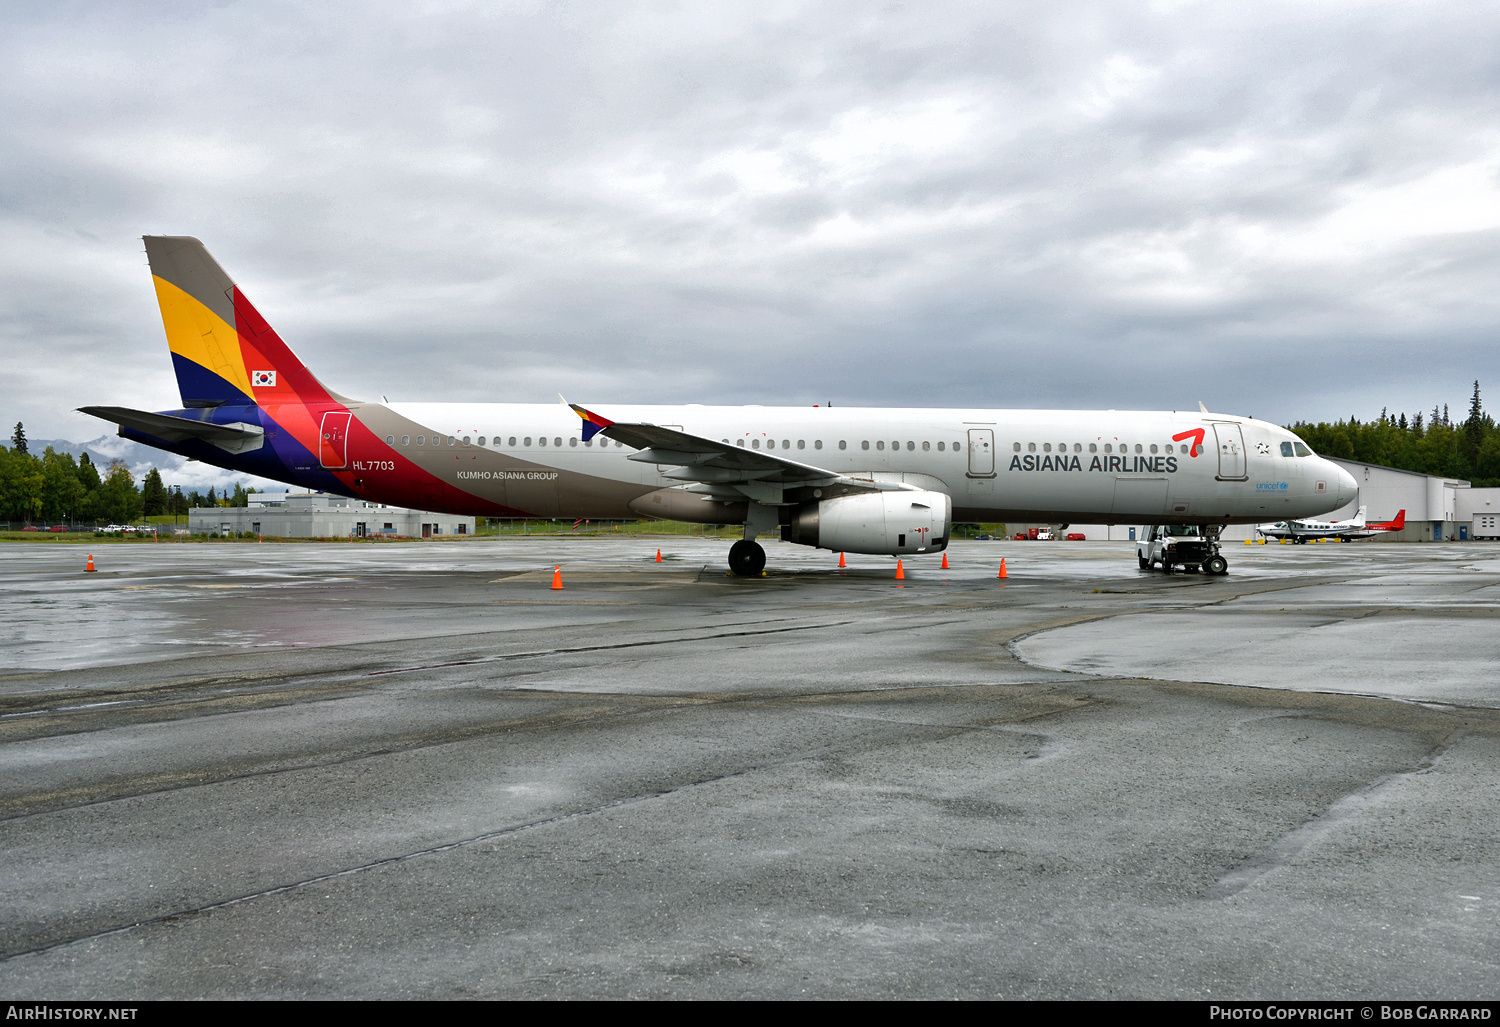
point(263, 379)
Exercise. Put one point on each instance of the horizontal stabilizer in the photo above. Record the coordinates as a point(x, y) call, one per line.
point(232, 438)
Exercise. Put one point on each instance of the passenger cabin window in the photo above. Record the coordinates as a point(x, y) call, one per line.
point(405, 439)
point(526, 441)
point(572, 442)
point(865, 444)
point(1093, 447)
point(468, 441)
point(926, 446)
point(557, 441)
point(390, 440)
point(452, 441)
point(1031, 447)
point(880, 444)
point(541, 442)
point(1137, 447)
point(421, 440)
point(817, 443)
point(1153, 447)
point(1286, 449)
point(801, 443)
point(786, 444)
point(740, 443)
point(755, 443)
point(512, 440)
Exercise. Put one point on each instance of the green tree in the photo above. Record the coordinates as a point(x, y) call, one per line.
point(22, 484)
point(18, 438)
point(153, 494)
point(62, 493)
point(118, 499)
point(88, 474)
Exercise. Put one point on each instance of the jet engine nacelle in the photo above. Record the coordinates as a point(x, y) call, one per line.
point(878, 523)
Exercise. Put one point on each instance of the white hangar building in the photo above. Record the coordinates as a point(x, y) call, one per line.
point(320, 515)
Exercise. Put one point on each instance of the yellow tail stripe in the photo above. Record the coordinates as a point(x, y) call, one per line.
point(198, 334)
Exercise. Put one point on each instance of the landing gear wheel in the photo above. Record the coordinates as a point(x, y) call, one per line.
point(1217, 565)
point(746, 559)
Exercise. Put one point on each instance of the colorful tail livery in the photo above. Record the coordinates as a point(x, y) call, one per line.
point(251, 405)
point(224, 352)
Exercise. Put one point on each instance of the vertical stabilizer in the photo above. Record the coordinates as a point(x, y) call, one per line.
point(223, 351)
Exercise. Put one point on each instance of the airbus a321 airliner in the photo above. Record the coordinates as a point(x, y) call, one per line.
point(889, 482)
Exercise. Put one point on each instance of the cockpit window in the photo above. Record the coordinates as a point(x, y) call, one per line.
point(1302, 450)
point(1286, 449)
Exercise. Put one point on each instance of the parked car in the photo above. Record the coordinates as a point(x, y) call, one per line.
point(57, 528)
point(31, 527)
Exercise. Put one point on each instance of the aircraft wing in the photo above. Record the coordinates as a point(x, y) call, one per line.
point(234, 438)
point(724, 471)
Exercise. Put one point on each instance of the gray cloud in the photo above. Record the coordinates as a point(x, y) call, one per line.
point(1290, 211)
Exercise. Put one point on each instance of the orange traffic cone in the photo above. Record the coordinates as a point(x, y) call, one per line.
point(841, 560)
point(1002, 568)
point(945, 561)
point(900, 574)
point(91, 563)
point(557, 577)
point(658, 556)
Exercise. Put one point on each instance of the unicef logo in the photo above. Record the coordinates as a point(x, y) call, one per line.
point(1274, 486)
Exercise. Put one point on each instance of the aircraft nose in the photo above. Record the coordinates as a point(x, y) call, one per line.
point(1348, 488)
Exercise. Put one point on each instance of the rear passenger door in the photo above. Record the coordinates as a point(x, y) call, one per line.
point(333, 446)
point(981, 452)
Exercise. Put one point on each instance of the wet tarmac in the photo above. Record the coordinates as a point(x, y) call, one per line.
point(414, 770)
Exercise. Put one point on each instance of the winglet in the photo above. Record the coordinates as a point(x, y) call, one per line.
point(1202, 407)
point(593, 423)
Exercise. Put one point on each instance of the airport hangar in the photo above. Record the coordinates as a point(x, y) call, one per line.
point(320, 515)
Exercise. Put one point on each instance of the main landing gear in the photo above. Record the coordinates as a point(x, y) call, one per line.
point(746, 559)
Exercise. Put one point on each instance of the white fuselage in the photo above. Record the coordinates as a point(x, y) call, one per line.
point(1045, 465)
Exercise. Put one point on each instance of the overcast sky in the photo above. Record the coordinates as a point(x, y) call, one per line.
point(1286, 210)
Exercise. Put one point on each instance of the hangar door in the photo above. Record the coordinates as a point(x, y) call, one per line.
point(1231, 451)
